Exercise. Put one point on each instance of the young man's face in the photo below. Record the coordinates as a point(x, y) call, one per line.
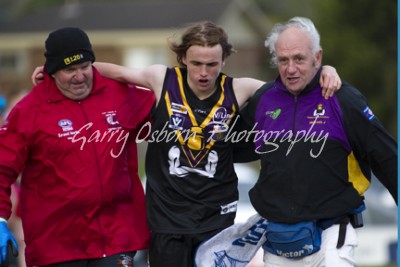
point(204, 64)
point(75, 82)
point(297, 64)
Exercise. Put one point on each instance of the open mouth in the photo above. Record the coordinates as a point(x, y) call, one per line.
point(203, 82)
point(293, 79)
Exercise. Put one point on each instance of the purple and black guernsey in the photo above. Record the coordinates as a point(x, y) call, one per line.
point(191, 183)
point(316, 154)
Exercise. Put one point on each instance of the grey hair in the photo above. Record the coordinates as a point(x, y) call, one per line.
point(302, 23)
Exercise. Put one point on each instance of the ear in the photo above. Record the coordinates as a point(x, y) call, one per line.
point(318, 58)
point(184, 60)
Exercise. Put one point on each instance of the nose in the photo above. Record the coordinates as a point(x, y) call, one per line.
point(291, 66)
point(203, 70)
point(79, 75)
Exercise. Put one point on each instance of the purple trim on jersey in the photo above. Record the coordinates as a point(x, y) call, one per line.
point(307, 117)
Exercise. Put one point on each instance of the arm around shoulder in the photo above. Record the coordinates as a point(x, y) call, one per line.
point(245, 88)
point(151, 77)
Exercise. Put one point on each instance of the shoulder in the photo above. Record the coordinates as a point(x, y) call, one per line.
point(248, 84)
point(23, 112)
point(245, 88)
point(354, 103)
point(262, 90)
point(349, 96)
point(33, 98)
point(156, 72)
point(348, 89)
point(141, 92)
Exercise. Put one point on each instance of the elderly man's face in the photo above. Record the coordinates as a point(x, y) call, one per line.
point(75, 82)
point(297, 64)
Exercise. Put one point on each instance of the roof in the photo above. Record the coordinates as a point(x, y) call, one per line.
point(117, 15)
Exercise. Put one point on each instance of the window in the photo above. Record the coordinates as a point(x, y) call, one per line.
point(13, 62)
point(140, 57)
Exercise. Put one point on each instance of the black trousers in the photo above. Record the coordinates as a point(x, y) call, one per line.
point(175, 249)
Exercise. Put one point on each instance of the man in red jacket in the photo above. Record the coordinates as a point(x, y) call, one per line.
point(73, 140)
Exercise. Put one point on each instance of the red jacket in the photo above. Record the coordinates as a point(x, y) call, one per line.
point(81, 196)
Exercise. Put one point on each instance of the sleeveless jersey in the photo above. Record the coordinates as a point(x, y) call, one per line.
point(191, 184)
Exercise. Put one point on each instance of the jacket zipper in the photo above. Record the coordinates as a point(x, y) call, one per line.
point(100, 183)
point(293, 189)
point(294, 115)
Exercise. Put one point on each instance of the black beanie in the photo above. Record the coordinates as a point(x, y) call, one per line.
point(65, 47)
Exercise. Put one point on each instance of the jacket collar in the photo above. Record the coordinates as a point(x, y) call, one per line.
point(309, 87)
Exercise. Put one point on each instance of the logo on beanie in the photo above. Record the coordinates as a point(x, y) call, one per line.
point(72, 59)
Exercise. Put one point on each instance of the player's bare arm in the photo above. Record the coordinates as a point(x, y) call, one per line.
point(151, 77)
point(245, 88)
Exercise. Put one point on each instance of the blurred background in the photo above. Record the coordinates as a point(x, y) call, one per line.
point(358, 37)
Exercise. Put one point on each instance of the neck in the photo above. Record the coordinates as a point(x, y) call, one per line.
point(204, 94)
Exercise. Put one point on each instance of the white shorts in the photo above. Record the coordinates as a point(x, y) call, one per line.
point(327, 256)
